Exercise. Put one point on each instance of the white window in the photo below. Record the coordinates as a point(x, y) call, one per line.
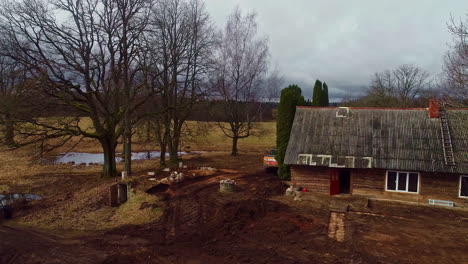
point(464, 186)
point(402, 181)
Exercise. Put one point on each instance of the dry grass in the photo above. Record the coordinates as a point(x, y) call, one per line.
point(264, 136)
point(142, 208)
point(196, 136)
point(74, 196)
point(76, 199)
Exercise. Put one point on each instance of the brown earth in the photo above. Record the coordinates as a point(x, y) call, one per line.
point(197, 224)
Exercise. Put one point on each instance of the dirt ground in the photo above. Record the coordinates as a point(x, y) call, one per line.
point(191, 222)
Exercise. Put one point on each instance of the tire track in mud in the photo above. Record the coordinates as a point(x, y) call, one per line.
point(197, 211)
point(180, 211)
point(24, 245)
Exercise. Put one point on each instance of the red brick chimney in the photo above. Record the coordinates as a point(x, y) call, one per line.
point(433, 108)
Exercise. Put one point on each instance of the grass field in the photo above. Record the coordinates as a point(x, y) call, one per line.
point(264, 136)
point(196, 136)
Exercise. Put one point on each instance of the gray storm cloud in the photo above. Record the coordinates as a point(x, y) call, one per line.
point(344, 42)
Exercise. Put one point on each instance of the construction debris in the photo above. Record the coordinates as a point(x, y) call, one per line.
point(227, 185)
point(173, 178)
point(290, 191)
point(208, 168)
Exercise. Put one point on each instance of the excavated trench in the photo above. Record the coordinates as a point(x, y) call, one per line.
point(195, 211)
point(200, 217)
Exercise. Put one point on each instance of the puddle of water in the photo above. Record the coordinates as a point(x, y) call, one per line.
point(98, 158)
point(7, 199)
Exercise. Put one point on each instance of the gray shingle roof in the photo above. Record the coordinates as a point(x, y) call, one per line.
point(400, 139)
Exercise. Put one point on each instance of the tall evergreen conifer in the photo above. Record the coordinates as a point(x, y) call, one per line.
point(317, 95)
point(325, 101)
point(290, 98)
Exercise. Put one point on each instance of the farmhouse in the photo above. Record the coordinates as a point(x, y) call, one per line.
point(411, 154)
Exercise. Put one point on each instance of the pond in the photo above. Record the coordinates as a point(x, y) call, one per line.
point(79, 158)
point(7, 199)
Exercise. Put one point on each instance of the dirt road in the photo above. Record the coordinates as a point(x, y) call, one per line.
point(22, 245)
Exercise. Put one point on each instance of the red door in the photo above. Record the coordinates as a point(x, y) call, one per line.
point(334, 182)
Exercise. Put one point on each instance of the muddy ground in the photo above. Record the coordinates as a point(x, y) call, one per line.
point(256, 224)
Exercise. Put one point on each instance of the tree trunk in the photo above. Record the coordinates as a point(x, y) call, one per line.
point(234, 146)
point(9, 131)
point(174, 150)
point(127, 140)
point(161, 139)
point(109, 169)
point(162, 159)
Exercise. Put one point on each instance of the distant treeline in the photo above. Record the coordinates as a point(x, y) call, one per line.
point(207, 110)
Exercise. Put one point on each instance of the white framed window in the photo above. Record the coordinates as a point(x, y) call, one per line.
point(463, 186)
point(402, 181)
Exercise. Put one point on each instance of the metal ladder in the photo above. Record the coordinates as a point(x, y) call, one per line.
point(446, 138)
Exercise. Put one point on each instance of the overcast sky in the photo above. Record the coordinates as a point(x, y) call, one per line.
point(344, 42)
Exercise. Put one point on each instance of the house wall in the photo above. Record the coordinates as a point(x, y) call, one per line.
point(316, 179)
point(371, 183)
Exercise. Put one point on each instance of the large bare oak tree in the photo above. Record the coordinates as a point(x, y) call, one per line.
point(84, 55)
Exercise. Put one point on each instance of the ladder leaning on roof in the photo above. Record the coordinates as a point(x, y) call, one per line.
point(446, 138)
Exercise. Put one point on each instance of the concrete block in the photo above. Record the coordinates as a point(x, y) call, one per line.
point(227, 186)
point(114, 195)
point(122, 193)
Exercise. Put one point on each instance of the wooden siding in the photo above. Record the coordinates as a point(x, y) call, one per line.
point(441, 186)
point(312, 178)
point(371, 183)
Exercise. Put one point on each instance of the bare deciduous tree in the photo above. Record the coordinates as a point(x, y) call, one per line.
point(455, 78)
point(12, 80)
point(83, 55)
point(183, 42)
point(242, 62)
point(399, 87)
point(273, 84)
